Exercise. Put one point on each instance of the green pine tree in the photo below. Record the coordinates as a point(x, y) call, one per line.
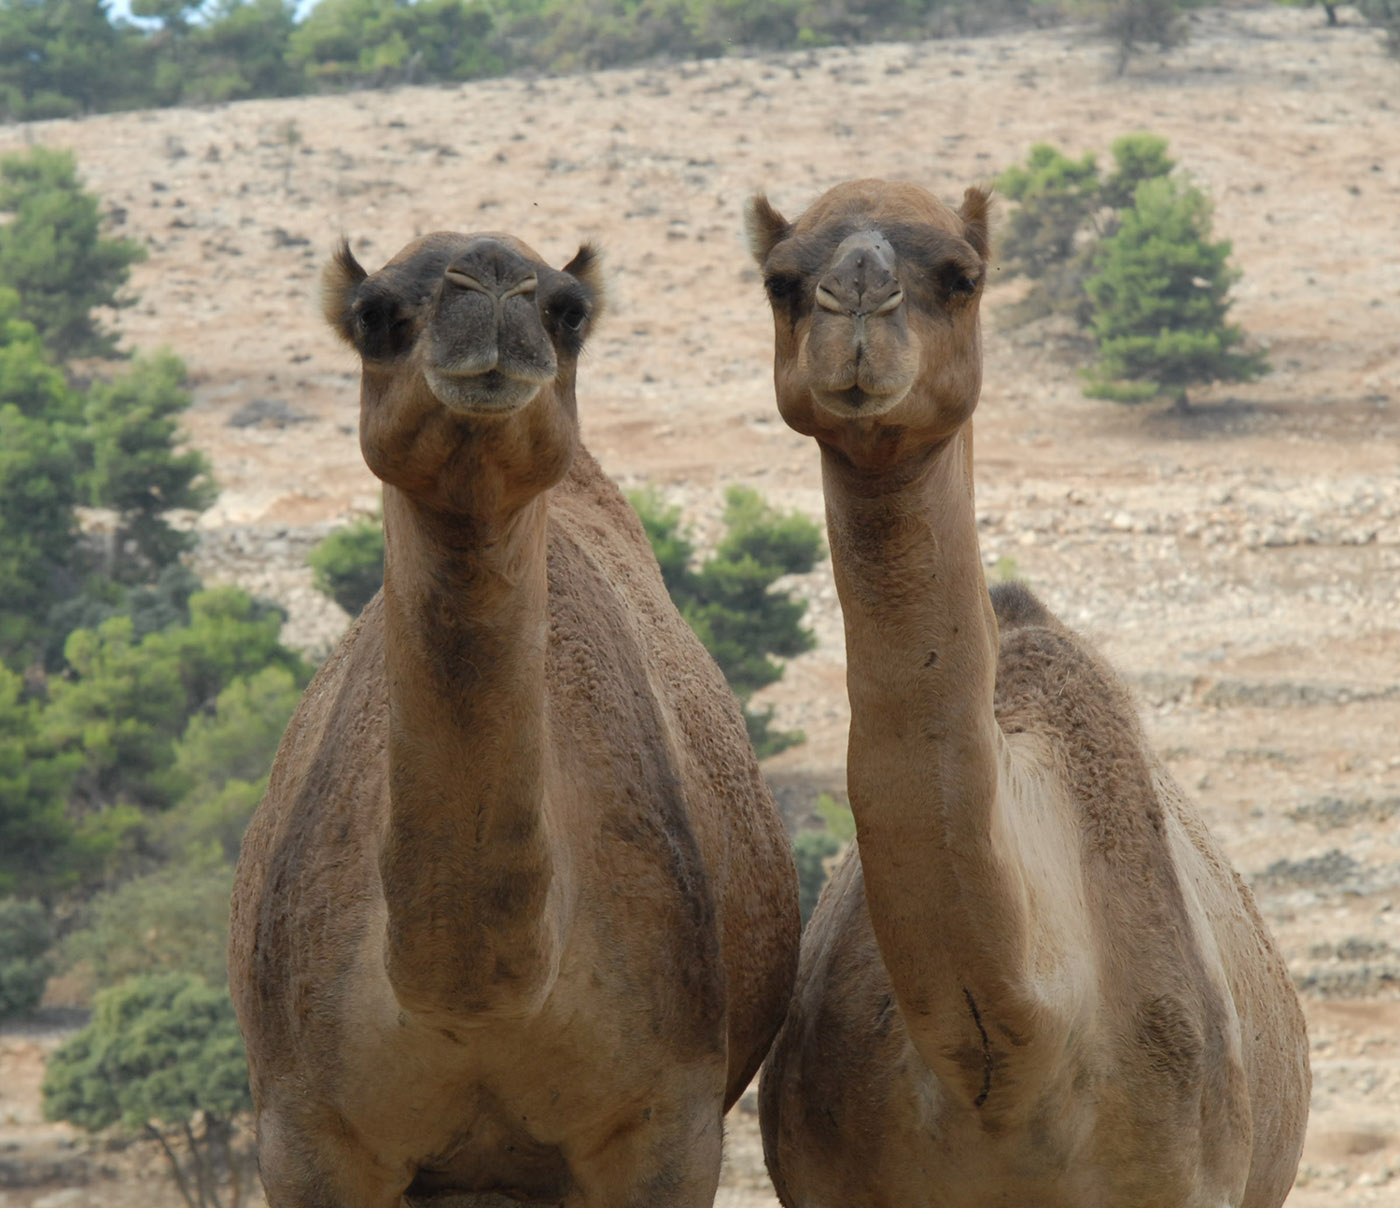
point(53, 254)
point(1160, 296)
point(132, 428)
point(728, 599)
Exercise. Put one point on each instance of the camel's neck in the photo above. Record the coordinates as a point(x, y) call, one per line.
point(465, 862)
point(926, 757)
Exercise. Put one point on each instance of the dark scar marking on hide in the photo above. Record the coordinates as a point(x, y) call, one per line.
point(986, 1051)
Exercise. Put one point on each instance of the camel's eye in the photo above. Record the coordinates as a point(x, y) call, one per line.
point(783, 288)
point(573, 316)
point(382, 329)
point(958, 283)
point(568, 312)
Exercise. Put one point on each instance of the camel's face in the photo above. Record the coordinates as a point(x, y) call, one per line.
point(479, 320)
point(875, 293)
point(469, 344)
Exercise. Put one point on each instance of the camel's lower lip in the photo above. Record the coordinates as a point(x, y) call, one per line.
point(852, 402)
point(492, 392)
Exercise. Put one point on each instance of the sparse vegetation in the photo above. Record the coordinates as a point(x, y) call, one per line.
point(1133, 25)
point(815, 851)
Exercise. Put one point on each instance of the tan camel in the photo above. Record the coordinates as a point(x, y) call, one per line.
point(1037, 983)
point(517, 918)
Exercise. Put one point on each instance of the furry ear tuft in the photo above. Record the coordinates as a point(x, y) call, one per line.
point(587, 268)
point(976, 215)
point(340, 280)
point(766, 228)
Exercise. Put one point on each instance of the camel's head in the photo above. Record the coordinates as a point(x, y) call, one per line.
point(469, 345)
point(875, 293)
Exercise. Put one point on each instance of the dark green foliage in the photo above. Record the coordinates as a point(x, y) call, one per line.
point(124, 703)
point(241, 51)
point(39, 846)
point(814, 850)
point(25, 936)
point(158, 1048)
point(1044, 239)
point(161, 1050)
point(59, 58)
point(1160, 297)
point(38, 529)
point(1065, 208)
point(356, 42)
point(1136, 158)
point(348, 565)
point(728, 600)
point(1129, 258)
point(810, 852)
point(174, 920)
point(64, 57)
point(53, 255)
point(132, 428)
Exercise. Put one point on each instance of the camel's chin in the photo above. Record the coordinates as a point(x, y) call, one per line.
point(482, 394)
point(857, 403)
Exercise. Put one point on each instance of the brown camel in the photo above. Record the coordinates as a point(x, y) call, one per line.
point(517, 919)
point(1037, 982)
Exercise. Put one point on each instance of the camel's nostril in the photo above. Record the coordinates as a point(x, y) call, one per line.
point(464, 280)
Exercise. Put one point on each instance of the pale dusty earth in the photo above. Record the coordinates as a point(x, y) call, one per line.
point(1240, 565)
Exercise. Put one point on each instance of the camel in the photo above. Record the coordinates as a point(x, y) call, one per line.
point(517, 918)
point(1035, 981)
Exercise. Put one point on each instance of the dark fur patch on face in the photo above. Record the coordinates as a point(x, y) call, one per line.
point(574, 299)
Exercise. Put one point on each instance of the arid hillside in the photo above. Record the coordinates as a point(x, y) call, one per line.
point(1240, 565)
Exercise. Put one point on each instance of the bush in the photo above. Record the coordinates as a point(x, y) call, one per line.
point(1160, 297)
point(728, 599)
point(25, 937)
point(348, 565)
point(1132, 25)
point(813, 851)
point(174, 920)
point(161, 1052)
point(1064, 210)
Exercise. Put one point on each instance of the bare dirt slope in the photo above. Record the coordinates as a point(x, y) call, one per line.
point(1242, 566)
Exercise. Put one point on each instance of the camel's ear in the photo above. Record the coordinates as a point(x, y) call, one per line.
point(766, 228)
point(976, 220)
point(587, 268)
point(340, 280)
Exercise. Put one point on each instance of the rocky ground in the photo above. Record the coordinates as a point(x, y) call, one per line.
point(1240, 564)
